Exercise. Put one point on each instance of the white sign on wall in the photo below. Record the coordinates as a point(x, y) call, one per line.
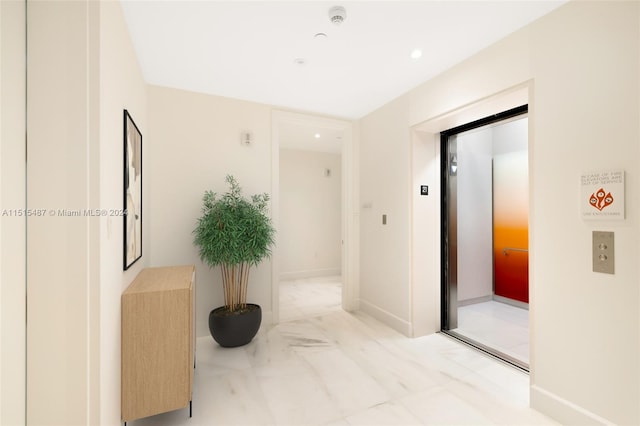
point(602, 196)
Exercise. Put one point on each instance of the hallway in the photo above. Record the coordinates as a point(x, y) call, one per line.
point(323, 366)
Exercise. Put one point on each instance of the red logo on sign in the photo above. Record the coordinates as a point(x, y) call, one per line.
point(601, 199)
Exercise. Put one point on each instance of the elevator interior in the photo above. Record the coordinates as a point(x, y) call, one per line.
point(485, 288)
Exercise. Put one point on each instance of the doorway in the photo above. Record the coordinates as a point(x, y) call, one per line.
point(484, 175)
point(313, 212)
point(309, 234)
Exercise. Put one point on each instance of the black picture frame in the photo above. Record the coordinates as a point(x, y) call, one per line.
point(132, 192)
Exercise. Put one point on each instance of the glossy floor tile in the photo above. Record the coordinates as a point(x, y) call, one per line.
point(498, 325)
point(324, 366)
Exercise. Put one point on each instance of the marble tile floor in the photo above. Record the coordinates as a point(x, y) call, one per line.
point(498, 325)
point(323, 366)
point(309, 297)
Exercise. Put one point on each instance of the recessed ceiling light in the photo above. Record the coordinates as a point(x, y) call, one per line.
point(299, 61)
point(317, 136)
point(320, 36)
point(416, 53)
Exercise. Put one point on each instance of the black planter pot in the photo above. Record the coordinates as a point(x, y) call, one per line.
point(231, 329)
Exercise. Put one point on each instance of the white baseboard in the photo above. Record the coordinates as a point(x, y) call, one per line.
point(474, 300)
point(385, 317)
point(267, 318)
point(312, 273)
point(566, 412)
point(512, 302)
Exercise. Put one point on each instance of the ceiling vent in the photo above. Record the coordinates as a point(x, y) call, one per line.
point(337, 14)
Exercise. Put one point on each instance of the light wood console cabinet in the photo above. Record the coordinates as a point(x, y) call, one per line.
point(158, 342)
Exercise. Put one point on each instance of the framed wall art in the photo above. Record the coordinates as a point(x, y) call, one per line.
point(132, 192)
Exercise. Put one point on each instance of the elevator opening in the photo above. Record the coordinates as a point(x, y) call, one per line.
point(485, 273)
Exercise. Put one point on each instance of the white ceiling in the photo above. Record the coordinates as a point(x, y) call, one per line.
point(248, 50)
point(302, 136)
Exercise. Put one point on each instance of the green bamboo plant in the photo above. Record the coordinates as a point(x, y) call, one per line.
point(235, 233)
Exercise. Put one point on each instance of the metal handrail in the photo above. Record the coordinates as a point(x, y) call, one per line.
point(508, 249)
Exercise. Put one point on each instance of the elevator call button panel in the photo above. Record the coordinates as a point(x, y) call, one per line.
point(603, 253)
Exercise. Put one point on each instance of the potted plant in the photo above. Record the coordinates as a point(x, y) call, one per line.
point(235, 233)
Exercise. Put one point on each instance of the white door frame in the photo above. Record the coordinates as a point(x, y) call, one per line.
point(350, 191)
point(425, 214)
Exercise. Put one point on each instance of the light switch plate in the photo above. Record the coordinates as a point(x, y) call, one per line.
point(603, 252)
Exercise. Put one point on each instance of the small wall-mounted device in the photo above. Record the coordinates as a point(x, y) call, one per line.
point(603, 252)
point(327, 172)
point(424, 189)
point(246, 138)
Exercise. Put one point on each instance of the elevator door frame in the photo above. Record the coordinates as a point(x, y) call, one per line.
point(449, 284)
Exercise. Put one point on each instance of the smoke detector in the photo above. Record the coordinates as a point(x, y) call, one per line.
point(337, 14)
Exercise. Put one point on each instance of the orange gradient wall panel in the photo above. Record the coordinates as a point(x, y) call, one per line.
point(510, 226)
point(511, 267)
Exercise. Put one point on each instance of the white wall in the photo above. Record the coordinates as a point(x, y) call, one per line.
point(511, 137)
point(580, 67)
point(310, 214)
point(196, 143)
point(384, 189)
point(121, 87)
point(475, 215)
point(82, 74)
point(61, 312)
point(585, 61)
point(12, 200)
